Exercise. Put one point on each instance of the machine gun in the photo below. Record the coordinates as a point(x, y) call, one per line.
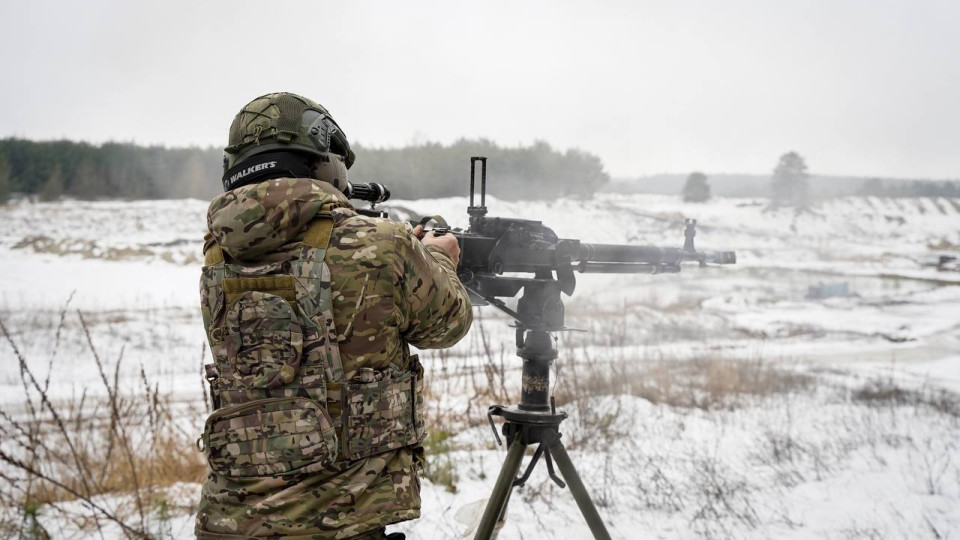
point(495, 249)
point(494, 246)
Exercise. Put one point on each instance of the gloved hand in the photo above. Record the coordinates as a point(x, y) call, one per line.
point(447, 242)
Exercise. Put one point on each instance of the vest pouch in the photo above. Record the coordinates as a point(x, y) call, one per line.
point(263, 342)
point(382, 411)
point(270, 437)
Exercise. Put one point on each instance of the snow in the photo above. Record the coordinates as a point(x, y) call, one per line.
point(812, 462)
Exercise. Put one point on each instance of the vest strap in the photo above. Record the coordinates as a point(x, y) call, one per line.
point(319, 231)
point(282, 286)
point(213, 256)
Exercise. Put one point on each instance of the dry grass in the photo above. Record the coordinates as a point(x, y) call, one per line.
point(82, 449)
point(701, 383)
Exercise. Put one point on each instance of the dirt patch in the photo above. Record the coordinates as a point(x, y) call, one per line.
point(90, 249)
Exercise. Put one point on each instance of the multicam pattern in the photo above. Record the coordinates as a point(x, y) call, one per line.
point(263, 341)
point(260, 223)
point(341, 502)
point(375, 289)
point(271, 335)
point(269, 437)
point(381, 414)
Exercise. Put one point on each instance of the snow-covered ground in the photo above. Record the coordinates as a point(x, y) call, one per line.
point(854, 432)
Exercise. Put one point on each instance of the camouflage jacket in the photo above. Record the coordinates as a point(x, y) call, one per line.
point(388, 290)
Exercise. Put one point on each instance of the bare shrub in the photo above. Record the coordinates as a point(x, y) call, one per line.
point(936, 462)
point(84, 448)
point(461, 383)
point(888, 392)
point(441, 468)
point(720, 497)
point(657, 491)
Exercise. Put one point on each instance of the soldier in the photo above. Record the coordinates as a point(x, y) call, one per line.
point(309, 309)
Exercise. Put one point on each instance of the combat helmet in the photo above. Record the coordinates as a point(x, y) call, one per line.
point(283, 123)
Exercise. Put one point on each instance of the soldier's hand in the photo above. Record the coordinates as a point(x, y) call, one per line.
point(447, 242)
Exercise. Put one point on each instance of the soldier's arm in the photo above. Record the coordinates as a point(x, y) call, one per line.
point(437, 307)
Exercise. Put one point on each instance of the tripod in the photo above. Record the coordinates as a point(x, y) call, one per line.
point(535, 419)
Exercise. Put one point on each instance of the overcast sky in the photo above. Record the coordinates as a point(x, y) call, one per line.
point(860, 87)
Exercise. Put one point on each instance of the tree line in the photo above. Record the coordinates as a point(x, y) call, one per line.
point(49, 170)
point(921, 188)
point(52, 169)
point(789, 185)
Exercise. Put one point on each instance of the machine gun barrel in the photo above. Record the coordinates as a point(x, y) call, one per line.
point(616, 258)
point(502, 251)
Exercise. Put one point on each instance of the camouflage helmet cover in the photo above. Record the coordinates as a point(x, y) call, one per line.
point(285, 121)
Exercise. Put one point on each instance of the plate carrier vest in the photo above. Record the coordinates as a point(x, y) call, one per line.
point(280, 403)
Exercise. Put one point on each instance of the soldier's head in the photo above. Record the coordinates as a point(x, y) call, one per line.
point(284, 134)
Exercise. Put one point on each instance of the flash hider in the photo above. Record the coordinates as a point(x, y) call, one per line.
point(373, 193)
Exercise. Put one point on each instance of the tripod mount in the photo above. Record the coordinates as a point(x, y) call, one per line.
point(535, 420)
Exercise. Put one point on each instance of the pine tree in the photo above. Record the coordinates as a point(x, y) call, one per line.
point(87, 180)
point(190, 182)
point(6, 183)
point(696, 188)
point(789, 185)
point(53, 187)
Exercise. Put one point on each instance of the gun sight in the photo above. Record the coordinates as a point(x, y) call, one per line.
point(475, 212)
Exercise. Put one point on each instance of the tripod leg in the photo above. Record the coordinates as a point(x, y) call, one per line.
point(578, 490)
point(501, 490)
